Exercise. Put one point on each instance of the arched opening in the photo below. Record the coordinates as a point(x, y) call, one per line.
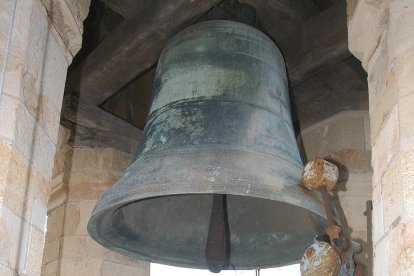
point(107, 96)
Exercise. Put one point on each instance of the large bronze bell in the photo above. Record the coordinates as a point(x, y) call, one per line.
point(219, 124)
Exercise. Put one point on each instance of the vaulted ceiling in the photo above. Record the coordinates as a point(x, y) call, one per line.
point(109, 83)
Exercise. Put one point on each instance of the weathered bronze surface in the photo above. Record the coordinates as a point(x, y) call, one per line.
point(219, 123)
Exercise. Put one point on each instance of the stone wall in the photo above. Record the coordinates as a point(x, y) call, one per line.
point(344, 140)
point(381, 35)
point(80, 177)
point(34, 56)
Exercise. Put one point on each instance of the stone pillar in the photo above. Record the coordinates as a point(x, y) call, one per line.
point(344, 139)
point(34, 57)
point(381, 35)
point(81, 176)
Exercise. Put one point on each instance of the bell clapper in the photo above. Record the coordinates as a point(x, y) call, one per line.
point(216, 250)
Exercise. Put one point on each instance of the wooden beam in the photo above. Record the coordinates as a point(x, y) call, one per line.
point(126, 8)
point(334, 89)
point(135, 45)
point(96, 127)
point(91, 137)
point(325, 43)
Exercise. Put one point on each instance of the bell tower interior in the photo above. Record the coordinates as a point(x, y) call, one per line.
point(140, 137)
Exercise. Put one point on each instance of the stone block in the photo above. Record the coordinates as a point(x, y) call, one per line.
point(321, 138)
point(34, 143)
point(71, 267)
point(52, 89)
point(5, 271)
point(50, 269)
point(380, 108)
point(356, 185)
point(405, 79)
point(113, 257)
point(39, 215)
point(14, 239)
point(401, 251)
point(392, 194)
point(63, 156)
point(13, 79)
point(52, 250)
point(8, 111)
point(378, 72)
point(77, 217)
point(406, 117)
point(72, 219)
point(367, 126)
point(85, 161)
point(23, 185)
point(353, 209)
point(6, 10)
point(58, 193)
point(105, 158)
point(5, 153)
point(79, 9)
point(377, 214)
point(120, 162)
point(66, 25)
point(88, 190)
point(93, 250)
point(35, 252)
point(365, 27)
point(73, 247)
point(407, 180)
point(109, 269)
point(38, 103)
point(400, 27)
point(55, 223)
point(355, 161)
point(352, 133)
point(44, 77)
point(18, 45)
point(36, 48)
point(85, 208)
point(386, 145)
point(376, 177)
point(381, 257)
point(343, 131)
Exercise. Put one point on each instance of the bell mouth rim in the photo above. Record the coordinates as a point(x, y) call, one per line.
point(93, 222)
point(201, 172)
point(109, 209)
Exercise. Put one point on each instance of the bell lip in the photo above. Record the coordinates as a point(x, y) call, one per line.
point(91, 228)
point(111, 246)
point(97, 214)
